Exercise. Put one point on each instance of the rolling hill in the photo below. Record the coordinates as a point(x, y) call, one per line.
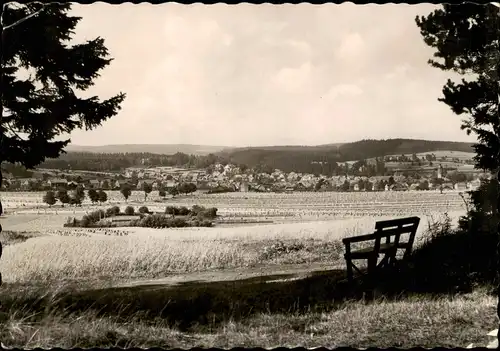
point(307, 159)
point(162, 149)
point(284, 157)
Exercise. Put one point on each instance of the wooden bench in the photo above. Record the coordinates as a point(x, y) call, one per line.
point(391, 229)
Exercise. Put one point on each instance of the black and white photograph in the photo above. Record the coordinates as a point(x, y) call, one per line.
point(249, 175)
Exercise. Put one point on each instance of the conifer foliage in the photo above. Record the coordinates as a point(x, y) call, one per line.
point(43, 74)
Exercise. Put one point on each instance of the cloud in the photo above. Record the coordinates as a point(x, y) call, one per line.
point(293, 79)
point(263, 75)
point(351, 47)
point(400, 71)
point(343, 90)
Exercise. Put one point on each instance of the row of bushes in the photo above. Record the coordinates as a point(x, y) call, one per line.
point(97, 218)
point(94, 219)
point(195, 211)
point(162, 221)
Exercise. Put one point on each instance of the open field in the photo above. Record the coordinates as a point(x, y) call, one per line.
point(311, 219)
point(297, 206)
point(186, 275)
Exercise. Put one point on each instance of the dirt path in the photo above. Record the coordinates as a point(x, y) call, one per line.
point(268, 273)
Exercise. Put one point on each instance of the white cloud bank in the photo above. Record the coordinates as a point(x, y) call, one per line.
point(266, 74)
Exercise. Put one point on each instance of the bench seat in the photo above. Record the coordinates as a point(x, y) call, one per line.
point(384, 248)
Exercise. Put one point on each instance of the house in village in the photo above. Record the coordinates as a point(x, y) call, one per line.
point(106, 184)
point(57, 182)
point(93, 184)
point(26, 183)
point(72, 185)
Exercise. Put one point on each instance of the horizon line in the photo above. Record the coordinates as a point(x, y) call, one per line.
point(283, 145)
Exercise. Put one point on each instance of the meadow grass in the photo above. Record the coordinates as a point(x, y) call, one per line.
point(46, 302)
point(413, 322)
point(152, 253)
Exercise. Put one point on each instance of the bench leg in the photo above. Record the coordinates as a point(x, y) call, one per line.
point(350, 274)
point(372, 267)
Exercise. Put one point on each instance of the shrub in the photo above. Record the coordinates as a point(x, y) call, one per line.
point(183, 211)
point(85, 222)
point(109, 212)
point(96, 216)
point(72, 222)
point(154, 221)
point(205, 223)
point(104, 223)
point(170, 210)
point(135, 223)
point(212, 212)
point(143, 209)
point(202, 213)
point(129, 210)
point(178, 222)
point(197, 209)
point(449, 261)
point(113, 211)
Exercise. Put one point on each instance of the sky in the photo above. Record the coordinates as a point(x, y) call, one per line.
point(254, 75)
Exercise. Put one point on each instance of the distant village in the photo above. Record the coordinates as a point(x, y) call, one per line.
point(229, 178)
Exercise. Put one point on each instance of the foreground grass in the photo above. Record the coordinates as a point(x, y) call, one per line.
point(55, 258)
point(150, 253)
point(410, 322)
point(8, 237)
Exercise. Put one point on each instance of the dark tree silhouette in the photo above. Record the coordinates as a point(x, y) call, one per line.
point(93, 195)
point(465, 39)
point(147, 188)
point(36, 109)
point(126, 191)
point(49, 198)
point(102, 196)
point(63, 196)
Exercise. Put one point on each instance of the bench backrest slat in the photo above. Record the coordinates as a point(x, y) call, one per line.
point(395, 228)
